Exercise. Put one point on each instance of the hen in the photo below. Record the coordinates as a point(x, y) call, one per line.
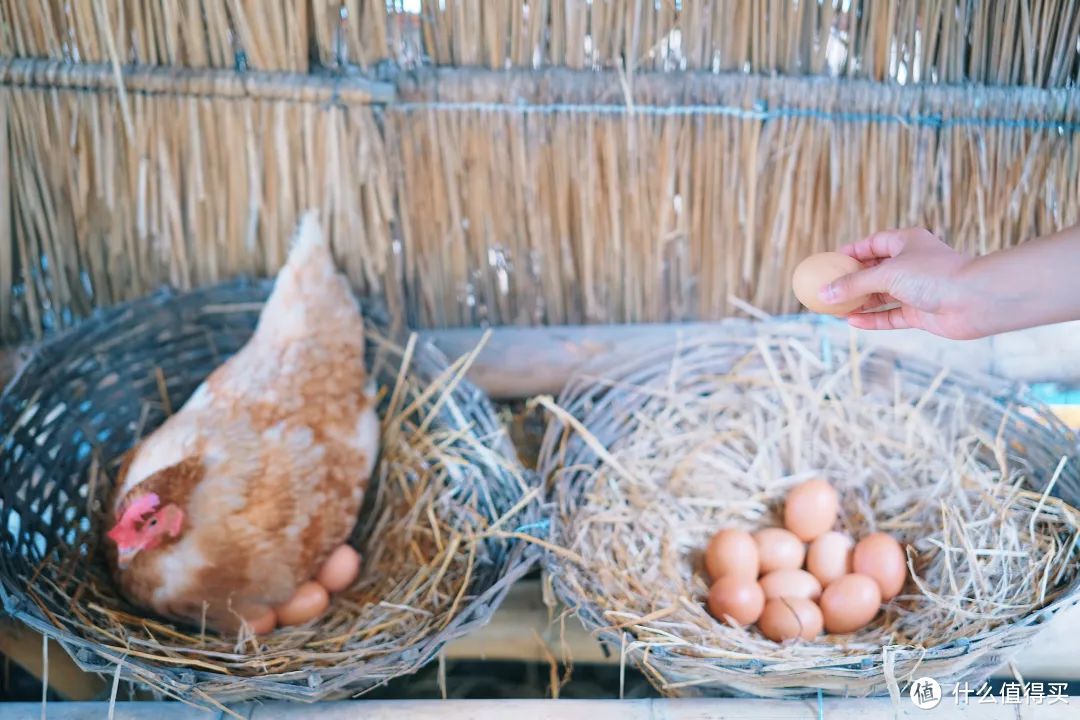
point(238, 499)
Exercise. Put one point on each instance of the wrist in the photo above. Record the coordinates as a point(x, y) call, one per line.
point(994, 298)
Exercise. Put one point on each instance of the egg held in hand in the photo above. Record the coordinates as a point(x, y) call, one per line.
point(731, 552)
point(736, 599)
point(817, 271)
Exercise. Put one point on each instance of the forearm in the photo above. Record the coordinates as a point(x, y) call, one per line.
point(1034, 283)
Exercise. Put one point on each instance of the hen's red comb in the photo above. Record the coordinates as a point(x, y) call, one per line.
point(141, 506)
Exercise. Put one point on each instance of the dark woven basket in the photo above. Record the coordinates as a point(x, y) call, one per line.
point(617, 396)
point(86, 396)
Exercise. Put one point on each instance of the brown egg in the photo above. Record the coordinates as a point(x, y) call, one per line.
point(263, 623)
point(881, 557)
point(818, 270)
point(829, 556)
point(849, 603)
point(737, 599)
point(790, 618)
point(340, 569)
point(810, 509)
point(792, 584)
point(731, 552)
point(779, 549)
point(308, 602)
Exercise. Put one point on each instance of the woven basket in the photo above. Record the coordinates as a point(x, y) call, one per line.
point(85, 397)
point(606, 402)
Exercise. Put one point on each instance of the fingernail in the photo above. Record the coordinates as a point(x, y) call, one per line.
point(828, 293)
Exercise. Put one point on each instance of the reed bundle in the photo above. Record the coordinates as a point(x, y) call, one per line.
point(260, 34)
point(460, 205)
point(936, 41)
point(186, 189)
point(946, 41)
point(571, 197)
point(616, 193)
point(650, 455)
point(437, 532)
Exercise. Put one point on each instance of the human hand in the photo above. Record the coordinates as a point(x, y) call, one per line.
point(913, 280)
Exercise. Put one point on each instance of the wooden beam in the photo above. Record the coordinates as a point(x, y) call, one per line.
point(522, 362)
point(880, 708)
point(515, 633)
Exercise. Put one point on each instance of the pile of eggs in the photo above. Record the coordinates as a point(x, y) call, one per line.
point(796, 580)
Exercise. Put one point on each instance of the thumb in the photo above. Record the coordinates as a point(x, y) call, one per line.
point(856, 284)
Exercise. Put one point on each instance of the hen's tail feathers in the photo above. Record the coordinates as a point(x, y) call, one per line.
point(309, 295)
point(309, 250)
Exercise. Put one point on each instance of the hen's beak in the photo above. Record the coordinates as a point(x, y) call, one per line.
point(124, 557)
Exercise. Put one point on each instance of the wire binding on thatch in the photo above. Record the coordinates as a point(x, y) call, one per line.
point(650, 452)
point(306, 88)
point(524, 197)
point(441, 532)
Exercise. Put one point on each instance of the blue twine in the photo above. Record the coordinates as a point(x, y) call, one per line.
point(937, 122)
point(820, 705)
point(541, 525)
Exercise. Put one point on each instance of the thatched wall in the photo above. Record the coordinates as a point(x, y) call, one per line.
point(623, 173)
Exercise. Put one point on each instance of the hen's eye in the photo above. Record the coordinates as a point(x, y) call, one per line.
point(153, 522)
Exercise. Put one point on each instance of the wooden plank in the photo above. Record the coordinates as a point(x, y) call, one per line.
point(24, 648)
point(517, 627)
point(521, 630)
point(648, 709)
point(522, 362)
point(99, 711)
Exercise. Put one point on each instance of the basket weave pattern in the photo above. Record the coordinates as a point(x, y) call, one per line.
point(658, 500)
point(85, 398)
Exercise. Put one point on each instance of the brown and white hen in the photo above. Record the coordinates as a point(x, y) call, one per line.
point(239, 498)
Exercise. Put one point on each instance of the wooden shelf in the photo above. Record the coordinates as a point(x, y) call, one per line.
point(521, 630)
point(653, 709)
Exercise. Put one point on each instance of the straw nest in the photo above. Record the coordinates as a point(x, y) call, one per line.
point(649, 457)
point(440, 531)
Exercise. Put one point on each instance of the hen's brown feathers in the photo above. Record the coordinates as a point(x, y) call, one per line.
point(269, 459)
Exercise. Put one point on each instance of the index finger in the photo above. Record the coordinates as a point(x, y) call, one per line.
point(885, 244)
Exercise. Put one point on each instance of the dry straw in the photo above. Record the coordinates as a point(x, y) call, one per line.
point(543, 208)
point(462, 205)
point(443, 533)
point(648, 457)
point(1011, 43)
